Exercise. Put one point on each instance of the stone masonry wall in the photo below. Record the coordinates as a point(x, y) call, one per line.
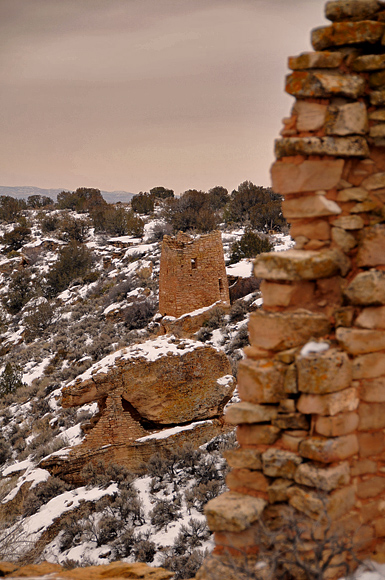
point(192, 273)
point(311, 420)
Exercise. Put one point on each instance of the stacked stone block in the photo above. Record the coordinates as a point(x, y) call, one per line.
point(192, 274)
point(311, 420)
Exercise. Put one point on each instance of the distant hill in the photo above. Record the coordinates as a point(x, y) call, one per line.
point(26, 190)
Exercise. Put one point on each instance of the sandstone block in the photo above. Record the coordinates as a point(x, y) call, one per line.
point(233, 512)
point(377, 131)
point(327, 450)
point(290, 440)
point(279, 463)
point(368, 62)
point(371, 487)
point(349, 119)
point(246, 412)
point(344, 316)
point(325, 478)
point(378, 114)
point(369, 366)
point(291, 421)
point(349, 222)
point(339, 10)
point(379, 526)
point(372, 245)
point(331, 404)
point(377, 97)
point(290, 384)
point(372, 416)
point(319, 84)
point(352, 194)
point(337, 504)
point(371, 444)
point(373, 391)
point(246, 458)
point(239, 479)
point(261, 381)
point(360, 341)
point(310, 116)
point(372, 317)
point(377, 79)
point(363, 466)
point(315, 60)
point(375, 181)
point(257, 434)
point(338, 425)
point(324, 372)
point(308, 176)
point(367, 288)
point(309, 207)
point(295, 265)
point(317, 229)
point(286, 294)
point(281, 331)
point(333, 146)
point(343, 239)
point(277, 491)
point(342, 33)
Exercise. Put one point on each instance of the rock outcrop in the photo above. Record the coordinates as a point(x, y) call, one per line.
point(152, 397)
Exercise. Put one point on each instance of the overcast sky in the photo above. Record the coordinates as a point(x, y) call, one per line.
point(131, 94)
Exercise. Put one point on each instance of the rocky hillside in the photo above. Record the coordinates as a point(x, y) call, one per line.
point(71, 295)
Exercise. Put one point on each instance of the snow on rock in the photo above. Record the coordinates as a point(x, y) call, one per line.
point(242, 269)
point(32, 474)
point(165, 433)
point(314, 347)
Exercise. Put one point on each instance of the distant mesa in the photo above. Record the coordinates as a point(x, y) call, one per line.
point(25, 191)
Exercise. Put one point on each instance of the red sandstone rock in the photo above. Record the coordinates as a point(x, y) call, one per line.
point(261, 381)
point(369, 366)
point(279, 463)
point(309, 207)
point(330, 404)
point(308, 176)
point(322, 84)
point(339, 10)
point(342, 33)
point(367, 289)
point(325, 478)
point(257, 434)
point(372, 245)
point(233, 512)
point(246, 412)
point(315, 60)
point(297, 265)
point(340, 424)
point(373, 391)
point(329, 450)
point(333, 146)
point(360, 341)
point(371, 487)
point(325, 372)
point(371, 444)
point(317, 229)
point(372, 317)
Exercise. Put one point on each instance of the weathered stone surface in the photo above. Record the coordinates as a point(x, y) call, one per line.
point(339, 10)
point(352, 194)
point(329, 450)
point(331, 404)
point(372, 317)
point(242, 479)
point(363, 466)
point(310, 206)
point(360, 341)
point(373, 391)
point(261, 381)
point(257, 434)
point(290, 384)
point(341, 424)
point(349, 119)
point(343, 239)
point(325, 478)
point(292, 265)
point(277, 491)
point(336, 505)
point(291, 421)
point(377, 79)
point(246, 412)
point(247, 458)
point(368, 62)
point(290, 440)
point(304, 84)
point(375, 181)
point(166, 380)
point(135, 571)
point(371, 444)
point(378, 114)
point(343, 33)
point(317, 229)
point(377, 97)
point(333, 146)
point(349, 222)
point(308, 176)
point(324, 372)
point(310, 116)
point(377, 131)
point(281, 331)
point(372, 247)
point(233, 512)
point(279, 463)
point(372, 416)
point(371, 487)
point(369, 366)
point(315, 60)
point(367, 288)
point(295, 294)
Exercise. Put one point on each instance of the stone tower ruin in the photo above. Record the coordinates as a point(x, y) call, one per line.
point(192, 273)
point(311, 421)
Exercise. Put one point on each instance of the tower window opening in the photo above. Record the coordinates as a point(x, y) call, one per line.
point(220, 285)
point(194, 263)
